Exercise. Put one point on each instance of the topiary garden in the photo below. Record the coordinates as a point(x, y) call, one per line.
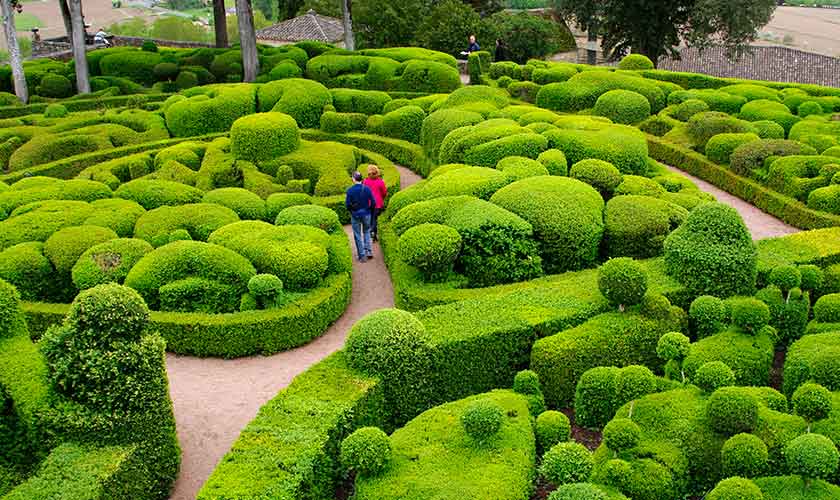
point(549, 260)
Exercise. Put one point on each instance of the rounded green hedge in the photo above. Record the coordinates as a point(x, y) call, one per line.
point(621, 434)
point(622, 282)
point(812, 456)
point(827, 308)
point(309, 215)
point(247, 205)
point(601, 175)
point(635, 62)
point(622, 106)
point(189, 259)
point(712, 252)
point(482, 419)
point(812, 402)
point(566, 214)
point(431, 248)
point(713, 375)
point(744, 455)
point(302, 99)
point(636, 226)
point(108, 262)
point(736, 488)
point(264, 136)
point(65, 246)
point(566, 463)
point(552, 427)
point(720, 147)
point(151, 194)
point(367, 451)
point(384, 338)
point(404, 123)
point(730, 411)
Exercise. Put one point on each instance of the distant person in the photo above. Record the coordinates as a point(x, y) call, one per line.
point(360, 202)
point(501, 51)
point(380, 192)
point(472, 47)
point(101, 37)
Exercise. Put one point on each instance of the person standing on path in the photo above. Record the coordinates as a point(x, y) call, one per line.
point(360, 202)
point(380, 192)
point(472, 47)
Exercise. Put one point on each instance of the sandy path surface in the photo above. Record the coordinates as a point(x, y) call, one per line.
point(760, 224)
point(215, 398)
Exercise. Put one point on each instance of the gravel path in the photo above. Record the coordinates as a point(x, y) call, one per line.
point(761, 225)
point(215, 398)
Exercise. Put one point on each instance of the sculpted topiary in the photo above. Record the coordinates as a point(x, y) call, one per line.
point(712, 253)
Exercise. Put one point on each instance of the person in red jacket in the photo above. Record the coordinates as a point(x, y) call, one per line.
point(380, 192)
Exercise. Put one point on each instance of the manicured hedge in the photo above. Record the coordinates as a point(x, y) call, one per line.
point(785, 208)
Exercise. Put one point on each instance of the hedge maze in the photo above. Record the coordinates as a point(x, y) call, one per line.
point(549, 260)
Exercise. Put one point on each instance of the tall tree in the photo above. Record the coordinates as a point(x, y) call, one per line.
point(657, 27)
point(287, 9)
point(220, 23)
point(347, 22)
point(15, 59)
point(79, 48)
point(247, 40)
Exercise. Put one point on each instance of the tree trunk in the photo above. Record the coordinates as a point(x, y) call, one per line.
point(247, 40)
point(65, 15)
point(220, 23)
point(349, 40)
point(79, 48)
point(14, 51)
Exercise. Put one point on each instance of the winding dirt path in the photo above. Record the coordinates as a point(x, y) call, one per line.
point(215, 398)
point(761, 225)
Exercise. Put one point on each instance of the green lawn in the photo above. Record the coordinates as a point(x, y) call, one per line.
point(26, 21)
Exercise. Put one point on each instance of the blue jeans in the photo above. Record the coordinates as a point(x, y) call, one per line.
point(361, 233)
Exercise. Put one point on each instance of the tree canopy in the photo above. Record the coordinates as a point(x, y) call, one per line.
point(657, 27)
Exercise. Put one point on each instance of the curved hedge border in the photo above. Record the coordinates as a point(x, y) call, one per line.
point(405, 153)
point(80, 104)
point(231, 335)
point(785, 208)
point(70, 167)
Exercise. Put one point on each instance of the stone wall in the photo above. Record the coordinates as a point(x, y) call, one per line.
point(59, 48)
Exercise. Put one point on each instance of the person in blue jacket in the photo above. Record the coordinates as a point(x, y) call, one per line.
point(361, 203)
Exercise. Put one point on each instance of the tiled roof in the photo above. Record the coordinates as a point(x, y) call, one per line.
point(310, 26)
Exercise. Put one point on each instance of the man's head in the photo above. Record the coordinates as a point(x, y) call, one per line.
point(357, 177)
point(472, 38)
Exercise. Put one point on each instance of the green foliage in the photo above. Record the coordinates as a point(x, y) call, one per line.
point(811, 402)
point(735, 488)
point(404, 123)
point(552, 427)
point(812, 456)
point(197, 220)
point(827, 308)
point(303, 100)
point(636, 226)
point(210, 112)
point(309, 215)
point(566, 463)
point(621, 434)
point(673, 345)
point(554, 161)
point(55, 111)
point(720, 147)
point(622, 106)
point(582, 91)
point(108, 262)
point(744, 455)
point(622, 282)
point(749, 314)
point(785, 277)
point(750, 157)
point(713, 375)
point(635, 62)
point(135, 65)
point(247, 205)
point(55, 86)
point(482, 420)
point(624, 147)
point(599, 174)
point(264, 136)
point(731, 411)
point(530, 37)
point(65, 246)
point(566, 215)
point(712, 252)
point(701, 127)
point(367, 451)
point(432, 248)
